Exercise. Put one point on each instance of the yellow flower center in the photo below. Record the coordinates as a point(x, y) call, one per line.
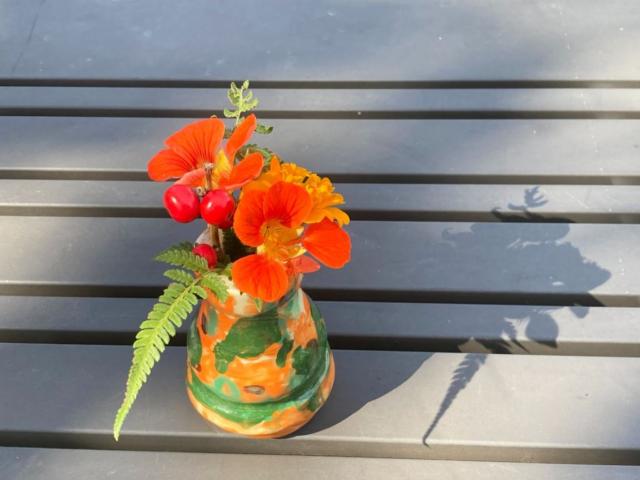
point(280, 242)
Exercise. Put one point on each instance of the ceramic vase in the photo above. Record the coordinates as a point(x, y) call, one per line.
point(259, 370)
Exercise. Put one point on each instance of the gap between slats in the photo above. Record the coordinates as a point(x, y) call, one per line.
point(351, 295)
point(193, 444)
point(337, 177)
point(328, 114)
point(360, 215)
point(314, 84)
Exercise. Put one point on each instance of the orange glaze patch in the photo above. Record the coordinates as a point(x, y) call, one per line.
point(189, 374)
point(208, 372)
point(303, 328)
point(261, 371)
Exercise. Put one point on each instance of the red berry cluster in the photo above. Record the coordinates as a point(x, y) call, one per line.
point(216, 208)
point(184, 205)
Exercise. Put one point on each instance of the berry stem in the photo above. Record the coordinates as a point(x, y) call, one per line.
point(213, 231)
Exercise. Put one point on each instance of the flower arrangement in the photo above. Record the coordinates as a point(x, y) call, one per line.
point(267, 223)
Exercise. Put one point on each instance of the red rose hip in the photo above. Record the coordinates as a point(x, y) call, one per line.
point(207, 252)
point(182, 203)
point(217, 208)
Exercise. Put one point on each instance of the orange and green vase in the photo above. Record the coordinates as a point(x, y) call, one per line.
point(259, 370)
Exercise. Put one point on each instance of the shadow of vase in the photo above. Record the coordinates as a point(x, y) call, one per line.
point(531, 241)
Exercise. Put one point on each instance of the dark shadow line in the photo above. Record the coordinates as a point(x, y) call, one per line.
point(106, 211)
point(227, 443)
point(338, 342)
point(316, 84)
point(342, 294)
point(328, 114)
point(338, 177)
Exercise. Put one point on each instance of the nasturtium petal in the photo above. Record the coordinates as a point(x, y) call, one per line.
point(167, 164)
point(199, 141)
point(243, 172)
point(260, 277)
point(240, 136)
point(249, 218)
point(329, 243)
point(288, 203)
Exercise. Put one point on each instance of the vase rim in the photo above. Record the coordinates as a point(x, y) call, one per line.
point(242, 300)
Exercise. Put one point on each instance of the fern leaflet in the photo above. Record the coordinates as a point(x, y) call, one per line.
point(181, 256)
point(216, 283)
point(173, 307)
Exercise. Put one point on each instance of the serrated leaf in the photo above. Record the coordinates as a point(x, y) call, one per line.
point(180, 276)
point(264, 129)
point(153, 336)
point(200, 292)
point(216, 284)
point(242, 99)
point(181, 256)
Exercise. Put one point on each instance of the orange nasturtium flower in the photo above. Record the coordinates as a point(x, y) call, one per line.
point(272, 221)
point(320, 189)
point(189, 149)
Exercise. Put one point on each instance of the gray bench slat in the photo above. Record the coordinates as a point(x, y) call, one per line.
point(619, 204)
point(470, 407)
point(364, 325)
point(306, 101)
point(413, 261)
point(488, 151)
point(323, 41)
point(60, 464)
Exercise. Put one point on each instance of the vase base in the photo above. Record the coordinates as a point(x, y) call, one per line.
point(283, 422)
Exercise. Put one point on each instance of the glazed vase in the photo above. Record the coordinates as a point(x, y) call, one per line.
point(259, 370)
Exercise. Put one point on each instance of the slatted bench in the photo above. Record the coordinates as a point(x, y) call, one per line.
point(488, 325)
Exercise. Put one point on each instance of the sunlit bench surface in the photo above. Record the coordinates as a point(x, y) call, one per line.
point(488, 326)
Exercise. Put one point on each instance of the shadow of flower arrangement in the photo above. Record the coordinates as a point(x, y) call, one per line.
point(565, 270)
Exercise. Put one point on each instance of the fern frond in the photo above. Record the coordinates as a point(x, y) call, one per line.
point(216, 283)
point(173, 307)
point(181, 256)
point(180, 276)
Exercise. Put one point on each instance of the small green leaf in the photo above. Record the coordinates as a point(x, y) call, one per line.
point(181, 256)
point(264, 129)
point(216, 284)
point(180, 276)
point(242, 98)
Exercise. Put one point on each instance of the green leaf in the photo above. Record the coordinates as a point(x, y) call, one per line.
point(173, 307)
point(242, 98)
point(181, 256)
point(252, 147)
point(216, 284)
point(226, 271)
point(264, 129)
point(180, 276)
